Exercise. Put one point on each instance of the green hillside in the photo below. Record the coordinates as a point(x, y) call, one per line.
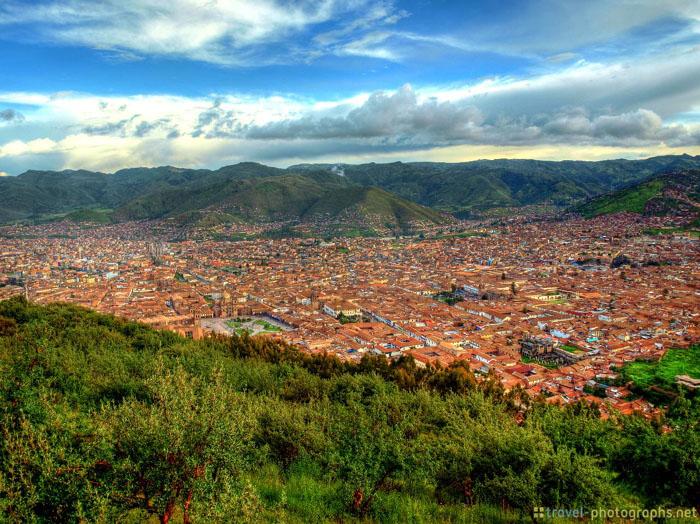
point(287, 196)
point(373, 202)
point(313, 196)
point(106, 420)
point(34, 194)
point(633, 199)
point(659, 195)
point(457, 188)
point(92, 216)
point(485, 184)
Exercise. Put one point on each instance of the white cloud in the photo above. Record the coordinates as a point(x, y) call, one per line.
point(222, 32)
point(619, 107)
point(19, 147)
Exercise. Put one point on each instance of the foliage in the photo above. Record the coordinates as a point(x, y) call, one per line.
point(676, 361)
point(105, 420)
point(249, 190)
point(633, 199)
point(657, 195)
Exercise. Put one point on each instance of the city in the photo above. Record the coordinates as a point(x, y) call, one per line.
point(349, 261)
point(483, 295)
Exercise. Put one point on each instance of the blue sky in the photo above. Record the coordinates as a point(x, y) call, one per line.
point(119, 83)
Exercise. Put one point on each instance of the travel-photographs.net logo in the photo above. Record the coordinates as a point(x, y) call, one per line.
point(604, 514)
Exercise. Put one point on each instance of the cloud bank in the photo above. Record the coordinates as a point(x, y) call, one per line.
point(622, 104)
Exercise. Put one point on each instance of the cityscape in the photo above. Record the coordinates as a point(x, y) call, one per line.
point(591, 295)
point(349, 262)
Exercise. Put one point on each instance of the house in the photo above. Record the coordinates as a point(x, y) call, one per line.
point(341, 307)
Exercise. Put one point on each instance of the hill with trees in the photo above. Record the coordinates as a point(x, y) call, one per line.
point(485, 184)
point(107, 420)
point(669, 193)
point(306, 198)
point(264, 192)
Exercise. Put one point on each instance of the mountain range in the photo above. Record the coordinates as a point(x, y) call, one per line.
point(483, 184)
point(396, 193)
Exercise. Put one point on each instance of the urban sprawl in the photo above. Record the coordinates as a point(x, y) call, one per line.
point(552, 305)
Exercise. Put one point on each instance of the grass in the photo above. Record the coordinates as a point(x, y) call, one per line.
point(267, 326)
point(346, 231)
point(676, 361)
point(671, 230)
point(463, 234)
point(92, 216)
point(633, 199)
point(230, 237)
point(302, 495)
point(570, 349)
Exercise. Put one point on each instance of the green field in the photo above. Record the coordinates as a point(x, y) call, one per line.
point(663, 373)
point(463, 234)
point(671, 230)
point(570, 349)
point(267, 326)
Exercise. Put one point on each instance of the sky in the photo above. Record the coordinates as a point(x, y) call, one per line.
point(110, 84)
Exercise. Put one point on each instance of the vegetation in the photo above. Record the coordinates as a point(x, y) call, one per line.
point(488, 184)
point(633, 199)
point(374, 202)
point(106, 420)
point(569, 348)
point(249, 326)
point(253, 191)
point(656, 196)
point(663, 372)
point(449, 297)
point(91, 216)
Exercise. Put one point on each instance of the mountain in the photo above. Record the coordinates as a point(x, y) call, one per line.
point(370, 202)
point(312, 197)
point(676, 193)
point(254, 191)
point(484, 184)
point(283, 197)
point(35, 194)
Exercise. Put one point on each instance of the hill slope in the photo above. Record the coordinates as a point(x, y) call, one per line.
point(370, 202)
point(676, 193)
point(483, 184)
point(36, 193)
point(106, 420)
point(310, 197)
point(479, 185)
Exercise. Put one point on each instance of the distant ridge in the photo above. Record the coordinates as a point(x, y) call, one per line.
point(485, 184)
point(252, 191)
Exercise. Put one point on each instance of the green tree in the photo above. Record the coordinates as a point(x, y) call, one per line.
point(182, 449)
